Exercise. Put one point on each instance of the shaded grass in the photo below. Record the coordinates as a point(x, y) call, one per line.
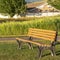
point(10, 51)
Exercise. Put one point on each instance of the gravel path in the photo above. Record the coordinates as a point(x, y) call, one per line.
point(14, 38)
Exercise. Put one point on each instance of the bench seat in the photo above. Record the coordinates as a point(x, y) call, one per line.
point(33, 42)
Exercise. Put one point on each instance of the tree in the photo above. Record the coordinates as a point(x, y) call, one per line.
point(12, 7)
point(55, 3)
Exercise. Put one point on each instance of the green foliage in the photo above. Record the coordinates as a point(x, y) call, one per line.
point(55, 3)
point(21, 28)
point(12, 7)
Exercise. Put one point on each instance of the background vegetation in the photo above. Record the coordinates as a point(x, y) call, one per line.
point(12, 7)
point(54, 3)
point(21, 28)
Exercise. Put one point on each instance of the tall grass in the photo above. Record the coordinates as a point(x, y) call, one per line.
point(21, 28)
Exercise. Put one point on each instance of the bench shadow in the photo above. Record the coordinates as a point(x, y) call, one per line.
point(34, 47)
point(46, 54)
point(58, 52)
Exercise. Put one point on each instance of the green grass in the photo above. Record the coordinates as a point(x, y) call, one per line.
point(10, 51)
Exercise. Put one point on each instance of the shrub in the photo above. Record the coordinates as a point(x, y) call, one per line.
point(21, 28)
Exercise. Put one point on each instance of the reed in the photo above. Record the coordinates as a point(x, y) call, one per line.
point(21, 28)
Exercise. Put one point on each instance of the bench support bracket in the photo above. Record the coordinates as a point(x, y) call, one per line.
point(52, 48)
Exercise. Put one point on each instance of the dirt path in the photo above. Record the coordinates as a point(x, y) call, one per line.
point(14, 38)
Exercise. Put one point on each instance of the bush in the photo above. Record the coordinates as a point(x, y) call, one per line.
point(21, 28)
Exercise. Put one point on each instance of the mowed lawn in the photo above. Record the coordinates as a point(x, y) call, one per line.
point(10, 51)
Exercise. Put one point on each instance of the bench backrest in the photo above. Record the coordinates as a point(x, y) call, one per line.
point(43, 34)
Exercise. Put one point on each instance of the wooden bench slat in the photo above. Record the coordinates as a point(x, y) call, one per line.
point(43, 36)
point(41, 30)
point(43, 33)
point(28, 41)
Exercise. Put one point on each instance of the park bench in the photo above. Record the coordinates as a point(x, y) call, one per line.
point(41, 34)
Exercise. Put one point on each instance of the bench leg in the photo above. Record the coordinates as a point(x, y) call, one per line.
point(40, 51)
point(19, 44)
point(52, 51)
point(30, 46)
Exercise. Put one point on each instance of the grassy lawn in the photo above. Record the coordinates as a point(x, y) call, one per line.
point(10, 51)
